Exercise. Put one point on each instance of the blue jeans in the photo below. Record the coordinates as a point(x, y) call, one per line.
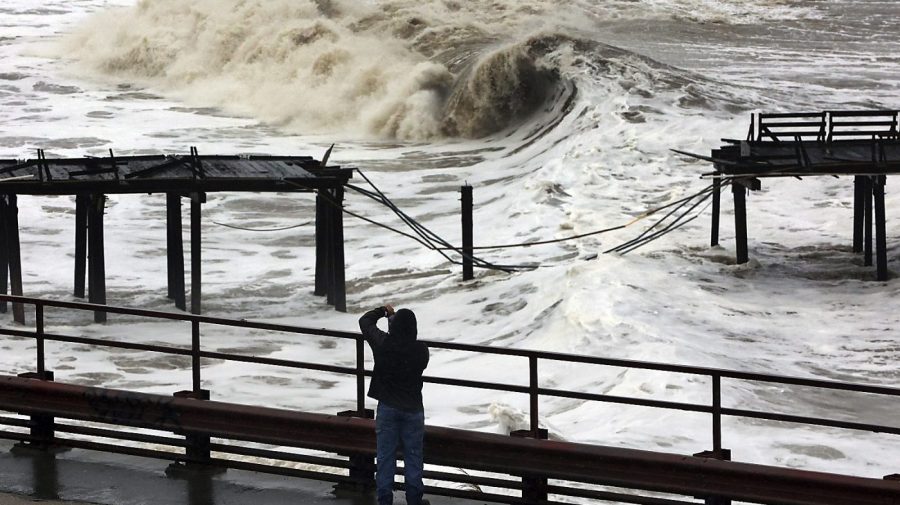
point(393, 426)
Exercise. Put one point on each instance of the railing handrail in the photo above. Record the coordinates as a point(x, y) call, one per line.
point(507, 351)
point(533, 388)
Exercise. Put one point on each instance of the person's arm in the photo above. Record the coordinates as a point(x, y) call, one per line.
point(368, 324)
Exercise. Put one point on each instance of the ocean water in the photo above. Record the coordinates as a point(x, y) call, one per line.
point(561, 116)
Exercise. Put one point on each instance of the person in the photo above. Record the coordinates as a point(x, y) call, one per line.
point(396, 383)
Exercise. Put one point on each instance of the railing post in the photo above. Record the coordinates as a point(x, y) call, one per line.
point(718, 452)
point(197, 450)
point(533, 394)
point(534, 487)
point(42, 429)
point(195, 360)
point(362, 466)
point(717, 412)
point(360, 376)
point(39, 327)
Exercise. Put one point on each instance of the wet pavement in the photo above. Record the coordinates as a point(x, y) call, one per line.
point(80, 476)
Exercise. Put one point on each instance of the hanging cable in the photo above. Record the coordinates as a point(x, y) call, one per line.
point(678, 204)
point(420, 240)
point(677, 223)
point(431, 240)
point(226, 225)
point(427, 234)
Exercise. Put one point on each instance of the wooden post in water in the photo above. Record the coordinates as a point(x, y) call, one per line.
point(468, 250)
point(15, 255)
point(338, 265)
point(858, 204)
point(81, 224)
point(880, 229)
point(716, 207)
point(740, 221)
point(321, 208)
point(175, 250)
point(4, 253)
point(96, 255)
point(196, 260)
point(867, 225)
point(328, 236)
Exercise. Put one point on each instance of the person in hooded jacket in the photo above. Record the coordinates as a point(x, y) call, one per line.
point(396, 383)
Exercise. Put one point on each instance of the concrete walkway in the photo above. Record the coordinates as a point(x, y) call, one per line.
point(88, 477)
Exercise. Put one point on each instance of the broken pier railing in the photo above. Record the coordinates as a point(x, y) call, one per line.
point(862, 144)
point(525, 468)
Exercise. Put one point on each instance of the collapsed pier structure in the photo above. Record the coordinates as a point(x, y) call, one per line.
point(862, 144)
point(190, 177)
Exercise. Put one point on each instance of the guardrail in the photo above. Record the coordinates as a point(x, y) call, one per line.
point(530, 485)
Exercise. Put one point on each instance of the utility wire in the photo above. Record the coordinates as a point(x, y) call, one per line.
point(433, 241)
point(678, 204)
point(261, 229)
point(677, 223)
point(430, 236)
point(645, 239)
point(421, 240)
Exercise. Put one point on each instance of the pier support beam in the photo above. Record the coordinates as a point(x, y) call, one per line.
point(716, 208)
point(4, 254)
point(9, 214)
point(197, 199)
point(321, 238)
point(880, 228)
point(339, 283)
point(175, 250)
point(330, 276)
point(81, 222)
point(859, 194)
point(740, 221)
point(467, 236)
point(867, 221)
point(96, 258)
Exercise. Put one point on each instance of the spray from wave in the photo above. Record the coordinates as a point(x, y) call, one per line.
point(403, 69)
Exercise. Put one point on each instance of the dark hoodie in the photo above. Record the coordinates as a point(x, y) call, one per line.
point(399, 359)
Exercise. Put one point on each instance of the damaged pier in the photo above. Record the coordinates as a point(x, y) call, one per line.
point(188, 177)
point(861, 144)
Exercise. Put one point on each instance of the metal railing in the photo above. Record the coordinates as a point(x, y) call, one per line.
point(715, 408)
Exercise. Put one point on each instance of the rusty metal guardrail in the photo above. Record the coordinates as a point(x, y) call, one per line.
point(585, 463)
point(534, 485)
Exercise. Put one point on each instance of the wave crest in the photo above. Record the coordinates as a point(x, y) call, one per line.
point(400, 68)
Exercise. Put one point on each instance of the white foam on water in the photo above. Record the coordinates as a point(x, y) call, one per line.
point(589, 151)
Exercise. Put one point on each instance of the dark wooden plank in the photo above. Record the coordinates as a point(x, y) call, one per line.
point(880, 230)
point(858, 199)
point(740, 222)
point(867, 221)
point(15, 255)
point(320, 284)
point(81, 209)
point(339, 283)
point(196, 259)
point(4, 252)
point(96, 255)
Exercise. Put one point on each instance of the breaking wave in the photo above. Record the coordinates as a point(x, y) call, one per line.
point(403, 69)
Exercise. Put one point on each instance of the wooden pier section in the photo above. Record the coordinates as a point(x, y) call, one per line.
point(184, 177)
point(861, 144)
